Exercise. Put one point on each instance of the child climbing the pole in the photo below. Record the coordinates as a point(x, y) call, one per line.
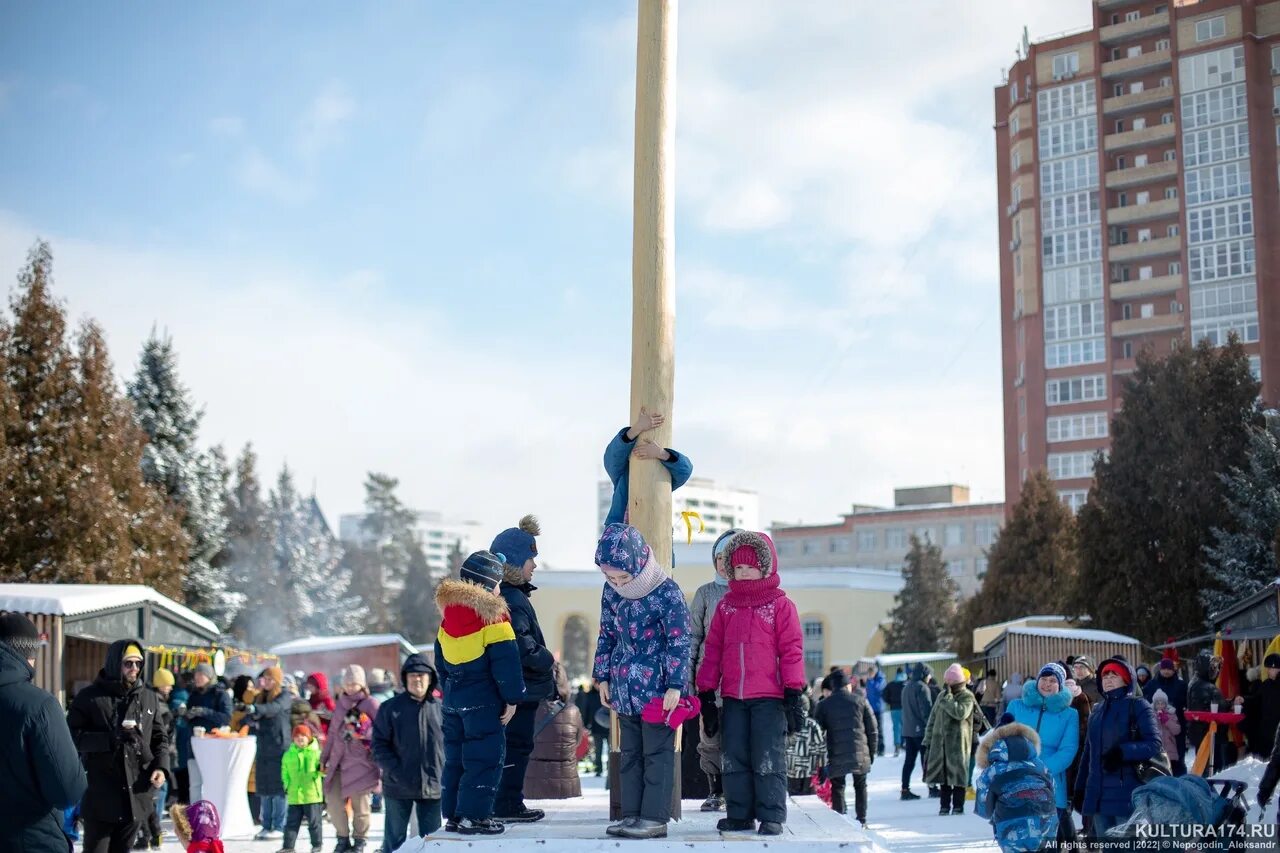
point(628, 444)
point(642, 669)
point(480, 676)
point(755, 657)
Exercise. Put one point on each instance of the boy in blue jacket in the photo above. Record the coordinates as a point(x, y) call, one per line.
point(627, 443)
point(1015, 789)
point(479, 666)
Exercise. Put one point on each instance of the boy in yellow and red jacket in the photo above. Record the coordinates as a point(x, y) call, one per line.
point(481, 679)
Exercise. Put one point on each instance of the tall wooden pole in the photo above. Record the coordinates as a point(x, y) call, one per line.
point(653, 298)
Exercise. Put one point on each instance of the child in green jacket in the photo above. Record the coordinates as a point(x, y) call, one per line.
point(303, 783)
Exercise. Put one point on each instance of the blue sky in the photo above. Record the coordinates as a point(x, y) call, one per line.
point(397, 236)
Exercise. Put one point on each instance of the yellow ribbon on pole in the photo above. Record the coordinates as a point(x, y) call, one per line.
point(688, 516)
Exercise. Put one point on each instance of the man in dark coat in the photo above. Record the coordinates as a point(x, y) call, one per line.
point(1262, 711)
point(518, 548)
point(408, 746)
point(1166, 678)
point(40, 772)
point(917, 704)
point(850, 726)
point(1201, 695)
point(117, 728)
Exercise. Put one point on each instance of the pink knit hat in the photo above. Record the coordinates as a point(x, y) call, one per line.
point(953, 675)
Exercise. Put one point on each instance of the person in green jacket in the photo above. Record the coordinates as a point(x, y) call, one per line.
point(304, 787)
point(949, 738)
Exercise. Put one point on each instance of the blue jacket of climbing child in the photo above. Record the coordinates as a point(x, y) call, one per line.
point(1058, 725)
point(1015, 789)
point(617, 457)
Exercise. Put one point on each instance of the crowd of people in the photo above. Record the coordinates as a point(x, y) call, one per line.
point(488, 720)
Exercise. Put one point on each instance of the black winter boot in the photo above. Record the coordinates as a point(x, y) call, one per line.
point(343, 845)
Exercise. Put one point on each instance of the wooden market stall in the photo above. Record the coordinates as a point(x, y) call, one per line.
point(79, 621)
point(1024, 650)
point(330, 654)
point(1252, 623)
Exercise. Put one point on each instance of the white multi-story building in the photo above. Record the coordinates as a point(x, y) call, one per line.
point(720, 507)
point(435, 533)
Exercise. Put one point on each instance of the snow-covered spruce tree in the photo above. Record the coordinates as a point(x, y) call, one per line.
point(248, 556)
point(173, 461)
point(1243, 555)
point(307, 561)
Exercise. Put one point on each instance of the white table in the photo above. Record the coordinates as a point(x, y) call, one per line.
point(224, 767)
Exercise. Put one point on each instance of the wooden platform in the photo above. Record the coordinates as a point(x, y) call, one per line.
point(577, 826)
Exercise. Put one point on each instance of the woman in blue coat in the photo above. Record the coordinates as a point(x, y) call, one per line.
point(1045, 707)
point(1122, 733)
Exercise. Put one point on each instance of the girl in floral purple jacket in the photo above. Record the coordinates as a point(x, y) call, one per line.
point(642, 659)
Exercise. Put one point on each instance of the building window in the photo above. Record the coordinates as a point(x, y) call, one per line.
point(1075, 284)
point(1128, 347)
point(1073, 499)
point(1015, 126)
point(955, 568)
point(955, 532)
point(984, 533)
point(895, 538)
point(1173, 230)
point(1232, 259)
point(1126, 312)
point(1162, 44)
point(1170, 193)
point(1077, 389)
point(814, 664)
point(1218, 183)
point(927, 535)
point(1211, 28)
point(1275, 60)
point(1064, 102)
point(1130, 17)
point(839, 545)
point(1166, 118)
point(867, 540)
point(1070, 466)
point(1215, 144)
point(1022, 443)
point(1022, 406)
point(1076, 427)
point(980, 567)
point(1066, 64)
point(1080, 320)
point(1175, 267)
point(1221, 222)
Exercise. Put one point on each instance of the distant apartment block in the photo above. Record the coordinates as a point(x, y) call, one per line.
point(721, 508)
point(1139, 207)
point(435, 533)
point(878, 538)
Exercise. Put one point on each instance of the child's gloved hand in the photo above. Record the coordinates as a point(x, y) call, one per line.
point(795, 711)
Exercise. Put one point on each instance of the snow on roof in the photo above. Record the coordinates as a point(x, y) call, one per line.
point(338, 643)
point(903, 658)
point(1075, 634)
point(77, 599)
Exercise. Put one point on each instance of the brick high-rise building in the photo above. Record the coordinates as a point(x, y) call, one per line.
point(1139, 207)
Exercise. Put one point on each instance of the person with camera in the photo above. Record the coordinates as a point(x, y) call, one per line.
point(116, 725)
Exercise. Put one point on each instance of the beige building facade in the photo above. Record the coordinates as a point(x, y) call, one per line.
point(841, 610)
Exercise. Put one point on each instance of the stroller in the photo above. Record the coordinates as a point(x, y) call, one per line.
point(1189, 813)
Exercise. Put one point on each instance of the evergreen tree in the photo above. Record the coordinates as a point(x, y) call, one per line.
point(248, 556)
point(388, 529)
point(1242, 557)
point(308, 566)
point(418, 618)
point(924, 611)
point(360, 563)
point(1160, 494)
point(75, 508)
point(1032, 564)
point(173, 461)
point(386, 557)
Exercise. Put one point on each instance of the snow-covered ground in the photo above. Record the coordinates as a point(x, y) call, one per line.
point(892, 826)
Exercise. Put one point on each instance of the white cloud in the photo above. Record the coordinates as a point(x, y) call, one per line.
point(257, 173)
point(321, 125)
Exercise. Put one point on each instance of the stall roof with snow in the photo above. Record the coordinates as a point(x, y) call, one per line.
point(1023, 649)
point(308, 645)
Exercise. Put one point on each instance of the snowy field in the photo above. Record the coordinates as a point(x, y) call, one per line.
point(577, 826)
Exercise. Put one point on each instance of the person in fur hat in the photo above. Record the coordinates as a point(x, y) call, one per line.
point(642, 659)
point(269, 717)
point(1015, 790)
point(755, 659)
point(478, 662)
point(517, 547)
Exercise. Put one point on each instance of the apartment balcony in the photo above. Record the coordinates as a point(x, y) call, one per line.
point(1142, 288)
point(1152, 135)
point(1122, 252)
point(1161, 96)
point(1108, 5)
point(1132, 213)
point(1136, 176)
point(1129, 30)
point(1148, 325)
point(1132, 65)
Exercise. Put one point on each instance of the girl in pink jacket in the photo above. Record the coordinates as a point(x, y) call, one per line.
point(755, 657)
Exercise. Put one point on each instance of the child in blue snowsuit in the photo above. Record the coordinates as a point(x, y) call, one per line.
point(1015, 790)
point(627, 443)
point(480, 676)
